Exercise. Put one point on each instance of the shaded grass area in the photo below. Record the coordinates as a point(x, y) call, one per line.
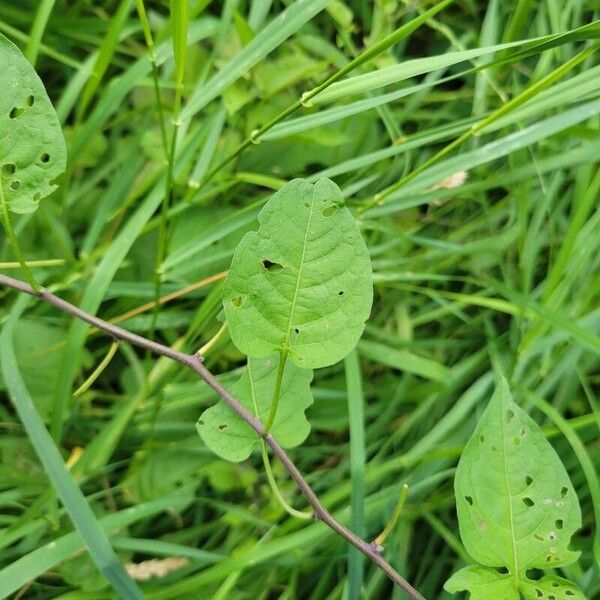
point(485, 256)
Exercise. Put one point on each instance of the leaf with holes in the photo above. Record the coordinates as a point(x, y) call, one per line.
point(228, 436)
point(302, 283)
point(32, 146)
point(517, 509)
point(551, 587)
point(483, 583)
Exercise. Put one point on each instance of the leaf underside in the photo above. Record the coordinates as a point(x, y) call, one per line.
point(517, 508)
point(302, 283)
point(32, 146)
point(231, 438)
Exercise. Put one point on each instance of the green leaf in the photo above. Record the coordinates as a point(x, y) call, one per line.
point(302, 283)
point(32, 146)
point(551, 587)
point(228, 436)
point(38, 351)
point(483, 584)
point(410, 68)
point(405, 361)
point(75, 503)
point(269, 38)
point(517, 508)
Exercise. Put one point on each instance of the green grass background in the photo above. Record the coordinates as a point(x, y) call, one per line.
point(497, 275)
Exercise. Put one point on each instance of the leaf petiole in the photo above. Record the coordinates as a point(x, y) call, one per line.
point(275, 489)
point(277, 391)
point(14, 242)
point(383, 536)
point(87, 384)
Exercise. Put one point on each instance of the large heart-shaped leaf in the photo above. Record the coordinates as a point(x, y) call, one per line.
point(32, 146)
point(302, 283)
point(517, 509)
point(231, 438)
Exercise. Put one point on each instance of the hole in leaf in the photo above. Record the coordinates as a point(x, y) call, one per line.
point(552, 536)
point(45, 158)
point(538, 537)
point(569, 593)
point(271, 266)
point(523, 431)
point(539, 593)
point(528, 502)
point(200, 422)
point(30, 100)
point(551, 597)
point(15, 185)
point(509, 415)
point(563, 491)
point(469, 500)
point(559, 523)
point(528, 480)
point(8, 170)
point(307, 205)
point(237, 302)
point(296, 330)
point(548, 558)
point(502, 570)
point(223, 427)
point(482, 438)
point(341, 293)
point(555, 584)
point(517, 441)
point(329, 211)
point(16, 112)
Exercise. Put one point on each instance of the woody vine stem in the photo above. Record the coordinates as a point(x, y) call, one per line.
point(194, 362)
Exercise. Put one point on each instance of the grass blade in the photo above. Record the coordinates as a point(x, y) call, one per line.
point(275, 33)
point(71, 496)
point(405, 361)
point(48, 556)
point(356, 421)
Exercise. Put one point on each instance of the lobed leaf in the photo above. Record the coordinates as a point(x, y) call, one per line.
point(517, 508)
point(551, 587)
point(483, 583)
point(32, 147)
point(302, 283)
point(228, 436)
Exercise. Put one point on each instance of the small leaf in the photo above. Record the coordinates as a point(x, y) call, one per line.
point(483, 584)
point(228, 436)
point(32, 146)
point(516, 506)
point(551, 587)
point(301, 283)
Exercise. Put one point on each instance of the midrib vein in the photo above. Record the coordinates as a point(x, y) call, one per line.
point(300, 268)
point(252, 393)
point(510, 509)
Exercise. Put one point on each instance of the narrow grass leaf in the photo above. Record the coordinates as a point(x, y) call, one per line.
point(48, 556)
point(356, 421)
point(71, 496)
point(405, 361)
point(269, 38)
